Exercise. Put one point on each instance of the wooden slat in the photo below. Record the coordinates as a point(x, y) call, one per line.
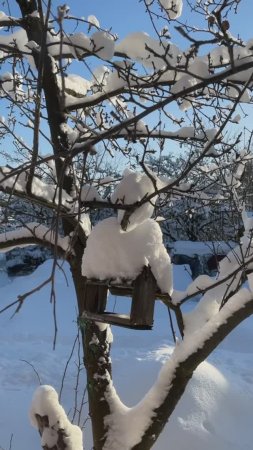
point(125, 290)
point(121, 291)
point(143, 302)
point(95, 298)
point(121, 320)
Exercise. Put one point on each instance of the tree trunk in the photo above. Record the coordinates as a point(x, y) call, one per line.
point(96, 349)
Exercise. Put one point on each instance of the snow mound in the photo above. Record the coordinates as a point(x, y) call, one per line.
point(112, 253)
point(133, 187)
point(214, 412)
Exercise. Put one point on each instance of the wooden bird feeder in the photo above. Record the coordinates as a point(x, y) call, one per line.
point(142, 290)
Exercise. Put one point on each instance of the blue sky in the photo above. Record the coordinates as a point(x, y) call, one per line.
point(129, 15)
point(126, 16)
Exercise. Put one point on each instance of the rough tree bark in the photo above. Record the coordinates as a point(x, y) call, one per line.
point(43, 423)
point(96, 358)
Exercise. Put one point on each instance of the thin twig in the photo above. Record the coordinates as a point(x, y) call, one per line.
point(66, 367)
point(21, 298)
point(33, 368)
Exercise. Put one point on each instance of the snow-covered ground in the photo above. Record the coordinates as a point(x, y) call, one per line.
point(215, 412)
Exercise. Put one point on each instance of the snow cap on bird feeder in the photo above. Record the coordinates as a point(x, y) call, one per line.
point(132, 262)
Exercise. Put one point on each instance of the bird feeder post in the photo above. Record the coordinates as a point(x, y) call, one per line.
point(95, 298)
point(143, 300)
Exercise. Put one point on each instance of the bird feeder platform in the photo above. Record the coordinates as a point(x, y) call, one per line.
point(143, 292)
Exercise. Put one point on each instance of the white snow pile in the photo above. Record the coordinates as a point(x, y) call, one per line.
point(12, 85)
point(33, 230)
point(45, 403)
point(78, 44)
point(49, 192)
point(74, 85)
point(172, 7)
point(93, 20)
point(84, 222)
point(152, 53)
point(89, 193)
point(134, 187)
point(112, 253)
point(215, 411)
point(101, 43)
point(140, 416)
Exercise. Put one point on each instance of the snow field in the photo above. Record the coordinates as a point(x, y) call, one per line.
point(215, 411)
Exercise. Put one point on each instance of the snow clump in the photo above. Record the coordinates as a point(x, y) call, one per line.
point(172, 7)
point(45, 403)
point(112, 253)
point(134, 187)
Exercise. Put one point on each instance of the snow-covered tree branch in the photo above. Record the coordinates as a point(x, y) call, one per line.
point(48, 416)
point(35, 233)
